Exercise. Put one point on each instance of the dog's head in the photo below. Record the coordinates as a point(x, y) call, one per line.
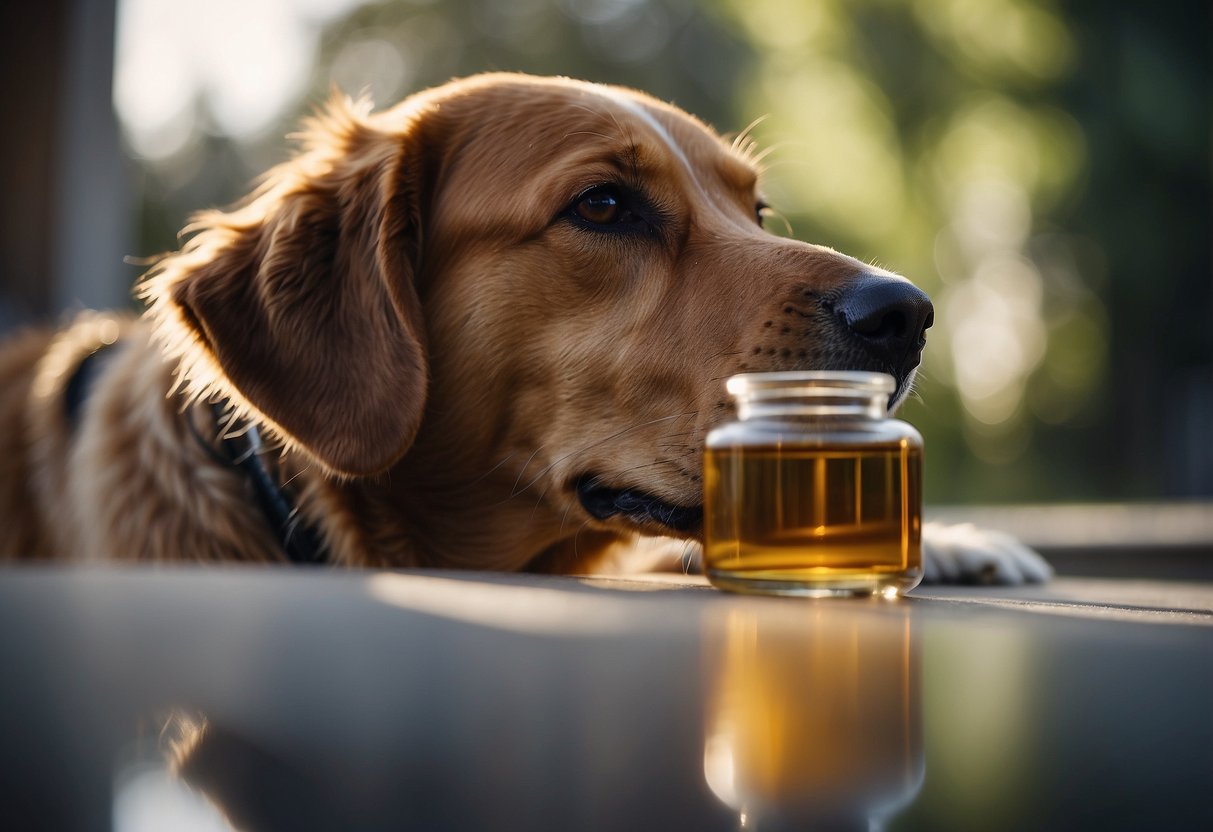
point(522, 294)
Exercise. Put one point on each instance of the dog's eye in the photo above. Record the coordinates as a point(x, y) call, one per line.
point(606, 206)
point(600, 206)
point(760, 212)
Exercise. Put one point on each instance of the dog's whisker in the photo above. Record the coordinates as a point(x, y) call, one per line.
point(467, 486)
point(514, 489)
point(782, 162)
point(600, 114)
point(577, 538)
point(588, 133)
point(653, 464)
point(295, 476)
point(741, 137)
point(539, 500)
point(687, 557)
point(565, 516)
point(779, 215)
point(759, 158)
point(618, 126)
point(677, 445)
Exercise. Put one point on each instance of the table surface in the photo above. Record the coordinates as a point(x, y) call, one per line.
point(466, 701)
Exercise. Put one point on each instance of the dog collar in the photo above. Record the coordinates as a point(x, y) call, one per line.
point(242, 448)
point(80, 383)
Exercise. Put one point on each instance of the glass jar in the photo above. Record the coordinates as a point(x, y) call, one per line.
point(814, 490)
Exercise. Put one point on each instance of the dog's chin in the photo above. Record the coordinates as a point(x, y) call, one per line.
point(643, 511)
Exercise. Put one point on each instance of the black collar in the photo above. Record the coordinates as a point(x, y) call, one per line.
point(242, 448)
point(80, 383)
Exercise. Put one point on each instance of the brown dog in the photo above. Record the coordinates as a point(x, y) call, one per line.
point(486, 328)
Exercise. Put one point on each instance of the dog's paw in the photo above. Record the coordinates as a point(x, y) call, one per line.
point(966, 554)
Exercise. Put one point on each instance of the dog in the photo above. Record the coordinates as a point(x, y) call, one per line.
point(486, 328)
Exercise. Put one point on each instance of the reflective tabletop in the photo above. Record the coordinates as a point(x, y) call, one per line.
point(308, 699)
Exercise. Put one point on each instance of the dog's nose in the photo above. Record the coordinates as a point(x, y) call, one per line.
point(890, 316)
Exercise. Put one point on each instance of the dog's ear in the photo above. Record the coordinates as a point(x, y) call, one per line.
point(300, 304)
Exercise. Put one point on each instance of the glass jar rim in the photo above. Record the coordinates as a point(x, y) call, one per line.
point(811, 382)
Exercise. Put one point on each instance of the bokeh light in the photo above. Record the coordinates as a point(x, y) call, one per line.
point(245, 62)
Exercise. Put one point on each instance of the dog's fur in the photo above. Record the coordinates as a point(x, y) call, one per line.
point(414, 309)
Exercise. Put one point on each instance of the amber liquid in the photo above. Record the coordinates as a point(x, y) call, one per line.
point(814, 520)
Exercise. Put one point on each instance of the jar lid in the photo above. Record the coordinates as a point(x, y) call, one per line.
point(811, 383)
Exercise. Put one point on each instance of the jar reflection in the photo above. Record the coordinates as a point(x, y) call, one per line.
point(814, 718)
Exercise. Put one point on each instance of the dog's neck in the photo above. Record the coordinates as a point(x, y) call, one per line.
point(239, 444)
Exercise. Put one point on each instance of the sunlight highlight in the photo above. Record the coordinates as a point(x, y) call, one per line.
point(513, 606)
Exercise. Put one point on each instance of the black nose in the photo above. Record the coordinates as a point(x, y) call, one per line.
point(890, 316)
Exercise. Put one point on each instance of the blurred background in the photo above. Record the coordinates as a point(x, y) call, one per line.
point(1041, 167)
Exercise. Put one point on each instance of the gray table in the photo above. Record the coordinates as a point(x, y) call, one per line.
point(459, 701)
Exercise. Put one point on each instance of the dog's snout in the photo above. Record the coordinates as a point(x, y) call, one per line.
point(890, 316)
